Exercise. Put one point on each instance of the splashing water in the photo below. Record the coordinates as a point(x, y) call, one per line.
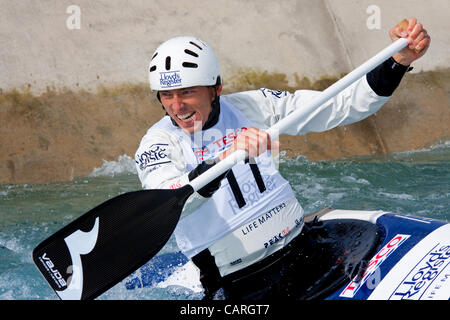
point(415, 183)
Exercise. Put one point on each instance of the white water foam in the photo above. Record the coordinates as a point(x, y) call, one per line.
point(441, 147)
point(350, 179)
point(402, 196)
point(124, 164)
point(186, 276)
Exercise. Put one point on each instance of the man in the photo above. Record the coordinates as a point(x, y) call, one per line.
point(237, 225)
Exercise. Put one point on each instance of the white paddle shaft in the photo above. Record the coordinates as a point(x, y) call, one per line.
point(305, 111)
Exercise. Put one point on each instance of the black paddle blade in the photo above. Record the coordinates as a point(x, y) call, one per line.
point(106, 244)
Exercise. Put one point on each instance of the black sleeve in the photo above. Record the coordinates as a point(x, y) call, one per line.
point(208, 190)
point(385, 78)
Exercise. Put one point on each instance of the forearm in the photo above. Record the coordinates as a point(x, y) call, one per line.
point(385, 78)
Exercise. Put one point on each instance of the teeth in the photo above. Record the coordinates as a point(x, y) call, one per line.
point(186, 116)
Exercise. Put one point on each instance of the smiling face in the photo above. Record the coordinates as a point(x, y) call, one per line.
point(189, 107)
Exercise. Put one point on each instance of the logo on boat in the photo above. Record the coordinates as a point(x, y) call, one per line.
point(373, 266)
point(427, 277)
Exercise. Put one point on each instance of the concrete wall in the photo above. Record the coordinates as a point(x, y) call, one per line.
point(116, 38)
point(83, 94)
point(351, 19)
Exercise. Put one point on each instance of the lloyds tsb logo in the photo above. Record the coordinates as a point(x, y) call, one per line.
point(170, 79)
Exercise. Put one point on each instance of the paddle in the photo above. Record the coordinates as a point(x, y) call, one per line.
point(102, 247)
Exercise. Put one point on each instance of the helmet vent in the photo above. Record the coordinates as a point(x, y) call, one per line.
point(152, 68)
point(190, 65)
point(192, 53)
point(168, 63)
point(193, 43)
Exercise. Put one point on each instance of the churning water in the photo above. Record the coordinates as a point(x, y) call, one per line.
point(415, 183)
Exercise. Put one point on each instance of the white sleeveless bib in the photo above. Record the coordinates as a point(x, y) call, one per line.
point(220, 215)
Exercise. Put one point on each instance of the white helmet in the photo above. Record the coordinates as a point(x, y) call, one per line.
point(183, 62)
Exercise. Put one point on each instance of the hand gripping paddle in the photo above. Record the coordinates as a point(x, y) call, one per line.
point(102, 247)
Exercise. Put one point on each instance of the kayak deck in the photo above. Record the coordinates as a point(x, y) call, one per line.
point(341, 254)
point(326, 256)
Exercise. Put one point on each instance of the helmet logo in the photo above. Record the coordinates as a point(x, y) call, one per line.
point(170, 79)
point(183, 62)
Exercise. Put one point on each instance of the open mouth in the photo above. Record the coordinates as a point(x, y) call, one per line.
point(186, 117)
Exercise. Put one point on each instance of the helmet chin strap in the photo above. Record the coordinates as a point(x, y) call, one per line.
point(213, 115)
